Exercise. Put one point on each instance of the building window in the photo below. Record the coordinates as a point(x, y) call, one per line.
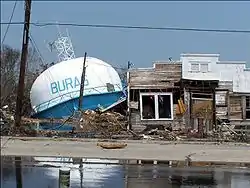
point(156, 106)
point(199, 67)
point(247, 107)
point(195, 67)
point(204, 67)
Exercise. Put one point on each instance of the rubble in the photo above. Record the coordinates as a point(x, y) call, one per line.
point(6, 117)
point(113, 125)
point(160, 134)
point(225, 132)
point(106, 124)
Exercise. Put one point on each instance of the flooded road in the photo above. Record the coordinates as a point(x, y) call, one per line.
point(43, 172)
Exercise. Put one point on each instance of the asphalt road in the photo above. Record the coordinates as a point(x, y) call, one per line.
point(135, 150)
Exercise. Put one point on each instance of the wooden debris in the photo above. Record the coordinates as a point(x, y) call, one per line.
point(160, 134)
point(112, 125)
point(106, 124)
point(112, 145)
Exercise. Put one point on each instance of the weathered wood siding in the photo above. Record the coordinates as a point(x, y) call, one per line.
point(237, 110)
point(188, 103)
point(241, 124)
point(222, 99)
point(166, 66)
point(221, 112)
point(177, 123)
point(226, 85)
point(235, 107)
point(163, 76)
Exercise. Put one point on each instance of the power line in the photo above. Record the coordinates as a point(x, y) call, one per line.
point(45, 24)
point(9, 23)
point(37, 49)
point(43, 60)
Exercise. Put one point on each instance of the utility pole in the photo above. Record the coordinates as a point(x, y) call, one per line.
point(21, 84)
point(81, 92)
point(82, 83)
point(129, 64)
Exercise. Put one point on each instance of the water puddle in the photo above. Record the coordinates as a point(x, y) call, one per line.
point(51, 172)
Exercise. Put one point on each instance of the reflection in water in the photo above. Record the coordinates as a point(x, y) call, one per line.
point(88, 172)
point(44, 173)
point(18, 169)
point(36, 172)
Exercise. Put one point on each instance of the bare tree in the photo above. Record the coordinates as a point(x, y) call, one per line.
point(33, 70)
point(10, 62)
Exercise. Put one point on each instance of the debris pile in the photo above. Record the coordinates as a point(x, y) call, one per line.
point(226, 132)
point(160, 134)
point(7, 124)
point(113, 125)
point(6, 117)
point(18, 131)
point(106, 124)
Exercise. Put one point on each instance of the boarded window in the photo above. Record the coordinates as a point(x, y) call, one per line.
point(235, 107)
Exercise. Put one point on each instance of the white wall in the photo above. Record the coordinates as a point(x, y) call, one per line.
point(234, 71)
point(186, 59)
point(227, 70)
point(241, 82)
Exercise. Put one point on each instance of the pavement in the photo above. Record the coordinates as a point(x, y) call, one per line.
point(135, 150)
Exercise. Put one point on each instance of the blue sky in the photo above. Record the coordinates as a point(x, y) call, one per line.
point(141, 47)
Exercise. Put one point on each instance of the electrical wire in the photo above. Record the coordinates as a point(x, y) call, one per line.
point(36, 48)
point(40, 24)
point(10, 21)
point(43, 61)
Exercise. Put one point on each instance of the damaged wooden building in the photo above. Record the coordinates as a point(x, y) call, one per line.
point(154, 96)
point(199, 83)
point(195, 93)
point(239, 99)
point(215, 91)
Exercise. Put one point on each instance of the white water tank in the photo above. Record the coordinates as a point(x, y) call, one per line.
point(61, 82)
